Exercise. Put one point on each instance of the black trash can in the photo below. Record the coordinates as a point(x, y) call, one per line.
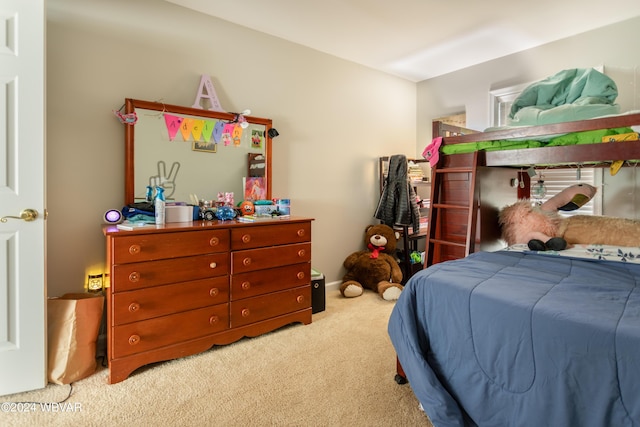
point(318, 298)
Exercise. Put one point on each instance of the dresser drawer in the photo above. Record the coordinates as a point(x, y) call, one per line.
point(141, 304)
point(127, 277)
point(255, 309)
point(258, 236)
point(147, 247)
point(260, 282)
point(258, 259)
point(163, 331)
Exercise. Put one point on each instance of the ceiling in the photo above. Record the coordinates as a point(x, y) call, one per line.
point(419, 39)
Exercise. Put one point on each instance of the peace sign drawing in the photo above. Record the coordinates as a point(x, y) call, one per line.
point(168, 182)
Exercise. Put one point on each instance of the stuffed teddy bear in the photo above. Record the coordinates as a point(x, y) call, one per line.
point(542, 228)
point(375, 268)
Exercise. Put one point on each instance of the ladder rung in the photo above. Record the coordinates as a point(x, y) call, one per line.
point(454, 170)
point(448, 243)
point(448, 206)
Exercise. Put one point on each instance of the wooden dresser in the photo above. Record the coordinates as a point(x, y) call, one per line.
point(178, 289)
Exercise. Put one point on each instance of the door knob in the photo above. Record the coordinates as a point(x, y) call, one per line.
point(27, 215)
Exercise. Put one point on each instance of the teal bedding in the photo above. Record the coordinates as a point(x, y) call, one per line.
point(575, 94)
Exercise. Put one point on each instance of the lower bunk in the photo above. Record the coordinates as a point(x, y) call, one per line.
point(518, 338)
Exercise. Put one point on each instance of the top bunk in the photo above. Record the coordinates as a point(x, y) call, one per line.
point(594, 142)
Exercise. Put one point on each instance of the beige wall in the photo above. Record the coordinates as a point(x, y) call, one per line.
point(617, 47)
point(334, 117)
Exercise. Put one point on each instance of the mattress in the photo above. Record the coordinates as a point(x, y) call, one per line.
point(513, 338)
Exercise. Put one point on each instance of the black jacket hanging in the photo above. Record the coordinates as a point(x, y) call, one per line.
point(397, 205)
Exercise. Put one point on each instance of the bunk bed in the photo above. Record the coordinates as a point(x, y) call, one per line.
point(504, 336)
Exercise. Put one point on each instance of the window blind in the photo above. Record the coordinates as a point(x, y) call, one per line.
point(556, 180)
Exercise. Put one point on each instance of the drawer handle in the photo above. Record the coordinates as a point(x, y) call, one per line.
point(133, 307)
point(214, 241)
point(246, 261)
point(300, 232)
point(300, 298)
point(245, 312)
point(134, 339)
point(246, 238)
point(213, 265)
point(214, 292)
point(134, 249)
point(213, 320)
point(301, 253)
point(300, 275)
point(246, 286)
point(134, 277)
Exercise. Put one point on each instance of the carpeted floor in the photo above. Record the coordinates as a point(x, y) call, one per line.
point(337, 371)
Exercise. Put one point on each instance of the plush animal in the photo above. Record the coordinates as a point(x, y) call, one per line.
point(375, 268)
point(542, 228)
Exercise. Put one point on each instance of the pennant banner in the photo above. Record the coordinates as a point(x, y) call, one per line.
point(191, 129)
point(227, 132)
point(196, 131)
point(173, 125)
point(207, 129)
point(185, 128)
point(204, 130)
point(217, 131)
point(236, 135)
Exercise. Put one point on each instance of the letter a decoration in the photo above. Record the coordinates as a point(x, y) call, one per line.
point(207, 86)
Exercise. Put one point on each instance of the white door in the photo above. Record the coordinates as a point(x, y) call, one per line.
point(22, 153)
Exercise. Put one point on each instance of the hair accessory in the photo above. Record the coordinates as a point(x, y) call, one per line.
point(128, 119)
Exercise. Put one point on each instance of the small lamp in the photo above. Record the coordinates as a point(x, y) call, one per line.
point(112, 216)
point(94, 283)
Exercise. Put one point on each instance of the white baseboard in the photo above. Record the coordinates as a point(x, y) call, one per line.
point(333, 286)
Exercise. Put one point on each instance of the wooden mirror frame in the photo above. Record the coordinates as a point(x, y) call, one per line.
point(129, 138)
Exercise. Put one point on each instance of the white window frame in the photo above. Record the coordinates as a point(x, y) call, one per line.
point(500, 100)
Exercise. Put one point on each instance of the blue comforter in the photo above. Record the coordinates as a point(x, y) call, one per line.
point(522, 339)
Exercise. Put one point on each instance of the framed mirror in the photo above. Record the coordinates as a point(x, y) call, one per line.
point(192, 151)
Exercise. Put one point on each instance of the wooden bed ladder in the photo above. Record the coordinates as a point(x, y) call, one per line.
point(454, 209)
point(453, 215)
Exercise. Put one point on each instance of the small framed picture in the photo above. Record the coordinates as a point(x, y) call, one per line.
point(206, 147)
point(257, 137)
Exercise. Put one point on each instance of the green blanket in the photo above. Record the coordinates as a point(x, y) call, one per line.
point(586, 137)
